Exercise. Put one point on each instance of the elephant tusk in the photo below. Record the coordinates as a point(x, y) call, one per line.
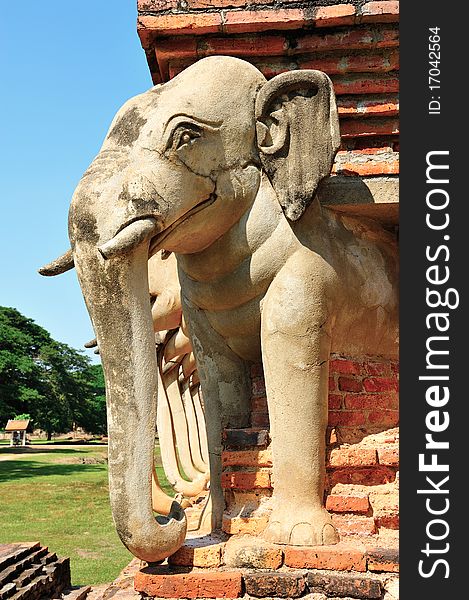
point(179, 419)
point(60, 265)
point(177, 345)
point(188, 365)
point(193, 429)
point(160, 501)
point(129, 237)
point(168, 450)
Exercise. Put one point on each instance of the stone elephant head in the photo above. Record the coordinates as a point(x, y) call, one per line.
point(180, 165)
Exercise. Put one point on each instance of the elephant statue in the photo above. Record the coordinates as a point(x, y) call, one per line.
point(221, 167)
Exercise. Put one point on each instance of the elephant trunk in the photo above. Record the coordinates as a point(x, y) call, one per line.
point(116, 293)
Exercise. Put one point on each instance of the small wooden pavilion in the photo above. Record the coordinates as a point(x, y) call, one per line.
point(17, 428)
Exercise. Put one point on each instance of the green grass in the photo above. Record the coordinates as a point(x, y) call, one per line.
point(52, 498)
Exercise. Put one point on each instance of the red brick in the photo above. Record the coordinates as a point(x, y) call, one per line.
point(156, 581)
point(395, 368)
point(340, 557)
point(377, 475)
point(354, 525)
point(353, 457)
point(258, 386)
point(346, 418)
point(380, 12)
point(191, 4)
point(355, 504)
point(360, 63)
point(344, 585)
point(259, 404)
point(338, 14)
point(156, 5)
point(335, 401)
point(347, 367)
point(388, 456)
point(380, 384)
point(368, 127)
point(378, 368)
point(205, 552)
point(369, 107)
point(350, 384)
point(367, 83)
point(332, 384)
point(352, 39)
point(246, 458)
point(176, 48)
point(244, 525)
point(383, 559)
point(272, 45)
point(246, 480)
point(272, 584)
point(179, 24)
point(272, 68)
point(387, 521)
point(384, 400)
point(369, 150)
point(247, 21)
point(384, 418)
point(259, 419)
point(368, 168)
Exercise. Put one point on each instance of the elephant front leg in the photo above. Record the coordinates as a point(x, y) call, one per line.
point(296, 365)
point(225, 384)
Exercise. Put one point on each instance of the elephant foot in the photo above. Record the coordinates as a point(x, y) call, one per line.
point(301, 527)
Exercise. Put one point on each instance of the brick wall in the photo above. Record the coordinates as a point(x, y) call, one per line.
point(362, 452)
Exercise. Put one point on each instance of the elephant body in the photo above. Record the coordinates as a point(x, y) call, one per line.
point(354, 265)
point(289, 294)
point(221, 167)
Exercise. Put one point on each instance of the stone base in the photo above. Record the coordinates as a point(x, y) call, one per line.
point(245, 567)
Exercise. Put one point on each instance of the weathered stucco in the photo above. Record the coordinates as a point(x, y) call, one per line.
point(226, 176)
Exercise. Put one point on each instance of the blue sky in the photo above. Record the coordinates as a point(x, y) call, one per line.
point(65, 69)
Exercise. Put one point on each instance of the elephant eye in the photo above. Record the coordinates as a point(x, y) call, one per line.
point(184, 136)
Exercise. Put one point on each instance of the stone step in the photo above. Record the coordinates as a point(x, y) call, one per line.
point(7, 590)
point(163, 582)
point(30, 572)
point(352, 553)
point(11, 553)
point(10, 573)
point(76, 593)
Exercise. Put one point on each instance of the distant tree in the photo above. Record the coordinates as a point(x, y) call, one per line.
point(22, 417)
point(47, 379)
point(93, 415)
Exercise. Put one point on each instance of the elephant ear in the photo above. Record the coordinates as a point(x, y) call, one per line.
point(297, 134)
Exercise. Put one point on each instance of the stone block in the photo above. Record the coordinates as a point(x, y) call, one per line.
point(348, 585)
point(252, 553)
point(163, 583)
point(273, 584)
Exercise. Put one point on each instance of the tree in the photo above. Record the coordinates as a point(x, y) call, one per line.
point(51, 381)
point(93, 413)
